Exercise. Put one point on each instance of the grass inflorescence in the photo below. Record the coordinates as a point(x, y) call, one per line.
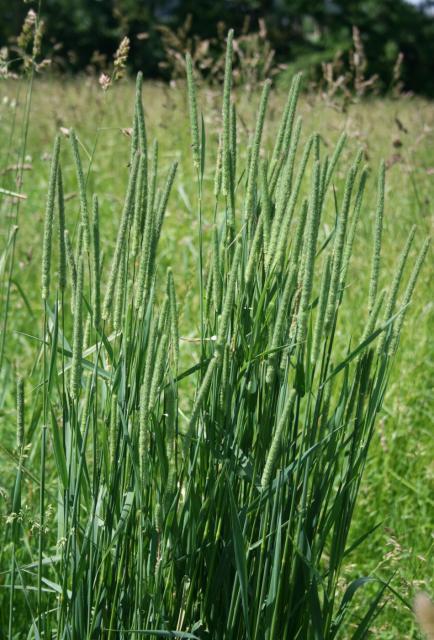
point(215, 500)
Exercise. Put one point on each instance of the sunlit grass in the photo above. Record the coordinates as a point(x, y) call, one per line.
point(396, 488)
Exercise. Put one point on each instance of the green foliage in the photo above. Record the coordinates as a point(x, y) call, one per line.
point(225, 514)
point(302, 34)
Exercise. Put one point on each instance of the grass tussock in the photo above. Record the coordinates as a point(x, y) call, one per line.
point(212, 501)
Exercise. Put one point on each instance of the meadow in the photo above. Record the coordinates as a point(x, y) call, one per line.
point(395, 503)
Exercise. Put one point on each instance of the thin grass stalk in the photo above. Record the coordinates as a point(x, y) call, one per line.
point(373, 316)
point(145, 390)
point(217, 289)
point(409, 293)
point(162, 206)
point(20, 413)
point(173, 315)
point(394, 287)
point(353, 228)
point(334, 160)
point(16, 498)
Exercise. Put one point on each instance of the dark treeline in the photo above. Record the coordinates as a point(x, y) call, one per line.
point(302, 31)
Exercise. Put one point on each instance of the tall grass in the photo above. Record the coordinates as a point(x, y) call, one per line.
point(210, 499)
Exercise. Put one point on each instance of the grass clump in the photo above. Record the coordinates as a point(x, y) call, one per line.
point(215, 500)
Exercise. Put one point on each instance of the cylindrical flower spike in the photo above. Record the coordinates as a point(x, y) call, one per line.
point(375, 268)
point(72, 266)
point(310, 253)
point(96, 267)
point(192, 106)
point(77, 344)
point(126, 215)
point(229, 300)
point(48, 223)
point(82, 191)
point(276, 441)
point(226, 112)
point(338, 249)
point(278, 237)
point(233, 141)
point(253, 169)
point(119, 297)
point(62, 251)
point(320, 317)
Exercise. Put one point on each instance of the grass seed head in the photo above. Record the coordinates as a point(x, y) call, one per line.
point(96, 265)
point(62, 250)
point(121, 239)
point(192, 105)
point(82, 190)
point(49, 220)
point(226, 114)
point(77, 344)
point(309, 254)
point(378, 233)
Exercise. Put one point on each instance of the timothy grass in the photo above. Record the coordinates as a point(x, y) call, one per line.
point(214, 495)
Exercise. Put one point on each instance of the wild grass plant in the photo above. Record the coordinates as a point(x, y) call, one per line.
point(222, 513)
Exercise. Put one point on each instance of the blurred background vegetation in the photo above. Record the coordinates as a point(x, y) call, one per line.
point(375, 45)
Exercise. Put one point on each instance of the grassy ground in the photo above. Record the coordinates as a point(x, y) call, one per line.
point(398, 486)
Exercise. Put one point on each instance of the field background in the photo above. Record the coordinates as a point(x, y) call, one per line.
point(398, 487)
